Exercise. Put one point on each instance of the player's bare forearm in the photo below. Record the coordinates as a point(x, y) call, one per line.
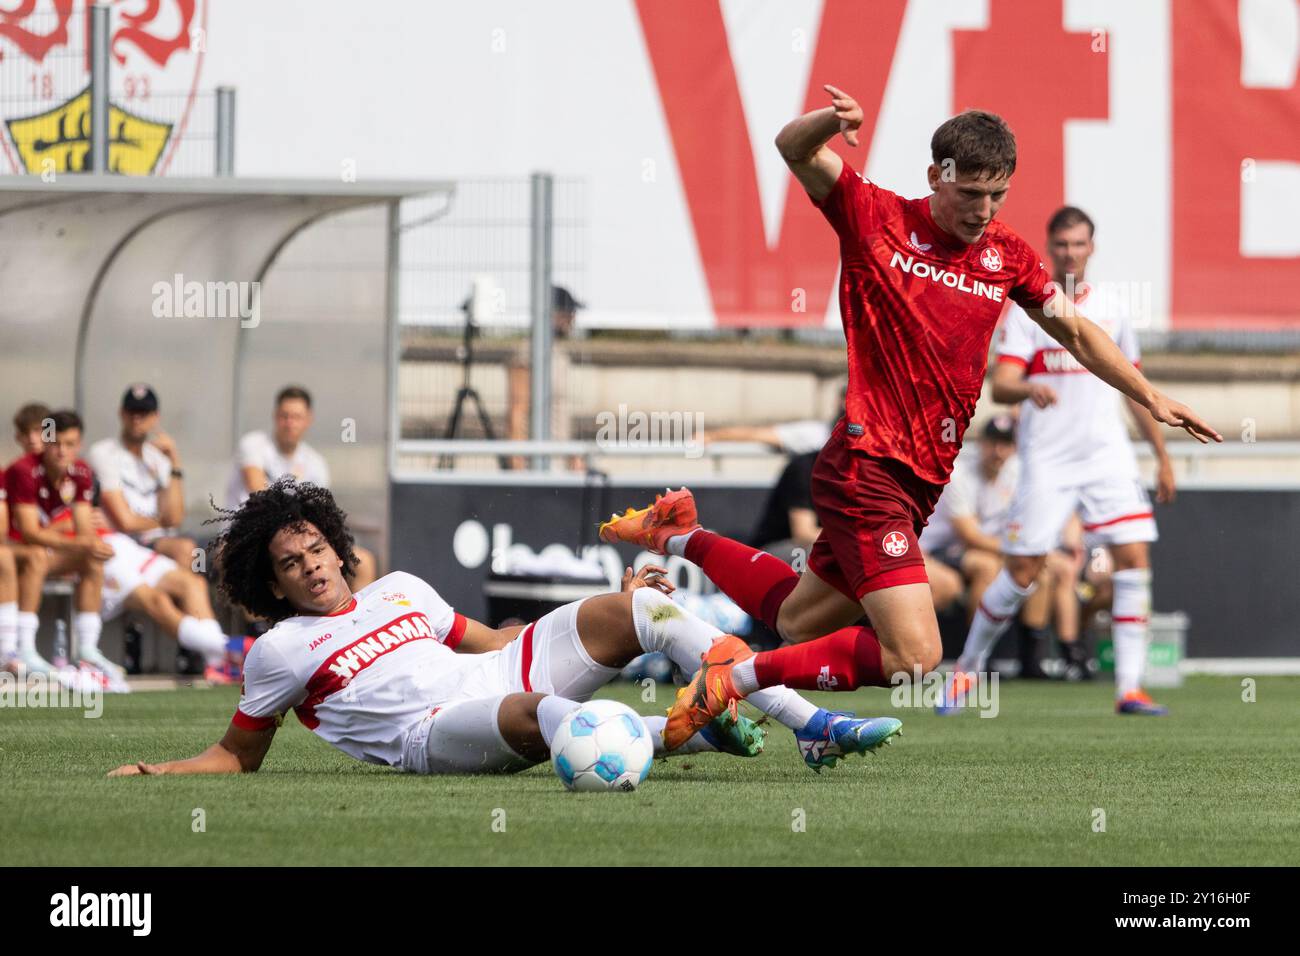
point(479, 638)
point(124, 519)
point(1010, 387)
point(800, 138)
point(171, 511)
point(239, 751)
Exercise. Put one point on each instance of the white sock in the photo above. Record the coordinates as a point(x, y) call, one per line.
point(663, 626)
point(87, 625)
point(697, 743)
point(1002, 599)
point(745, 677)
point(28, 623)
point(8, 629)
point(202, 636)
point(551, 711)
point(1128, 616)
point(677, 543)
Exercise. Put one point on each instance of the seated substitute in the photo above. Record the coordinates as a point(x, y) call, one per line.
point(263, 459)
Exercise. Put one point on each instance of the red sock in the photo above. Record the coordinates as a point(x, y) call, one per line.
point(842, 660)
point(754, 579)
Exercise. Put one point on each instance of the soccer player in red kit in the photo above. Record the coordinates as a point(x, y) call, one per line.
point(923, 283)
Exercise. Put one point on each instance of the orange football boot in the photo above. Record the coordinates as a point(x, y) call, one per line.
point(710, 692)
point(650, 527)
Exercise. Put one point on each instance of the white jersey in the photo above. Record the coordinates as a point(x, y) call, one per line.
point(139, 479)
point(362, 678)
point(1082, 438)
point(970, 494)
point(259, 450)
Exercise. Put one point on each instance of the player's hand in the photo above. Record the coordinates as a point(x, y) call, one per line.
point(650, 576)
point(847, 111)
point(140, 769)
point(1166, 487)
point(97, 547)
point(1176, 414)
point(98, 520)
point(164, 443)
point(1041, 394)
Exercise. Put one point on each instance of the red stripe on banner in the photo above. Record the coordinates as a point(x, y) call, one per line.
point(457, 633)
point(1136, 516)
point(526, 658)
point(244, 722)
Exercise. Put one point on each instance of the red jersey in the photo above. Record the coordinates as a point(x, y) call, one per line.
point(27, 483)
point(919, 308)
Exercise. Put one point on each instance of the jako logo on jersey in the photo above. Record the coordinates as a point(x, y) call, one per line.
point(317, 642)
point(894, 544)
point(991, 260)
point(359, 655)
point(918, 245)
point(953, 280)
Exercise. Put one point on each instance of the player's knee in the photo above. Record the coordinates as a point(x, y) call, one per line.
point(794, 626)
point(1024, 568)
point(8, 566)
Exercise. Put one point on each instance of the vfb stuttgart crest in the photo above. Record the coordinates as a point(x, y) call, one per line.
point(990, 259)
point(155, 54)
point(894, 544)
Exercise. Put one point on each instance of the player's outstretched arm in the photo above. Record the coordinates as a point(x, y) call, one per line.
point(802, 142)
point(240, 751)
point(1098, 353)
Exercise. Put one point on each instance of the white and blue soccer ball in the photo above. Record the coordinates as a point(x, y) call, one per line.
point(603, 745)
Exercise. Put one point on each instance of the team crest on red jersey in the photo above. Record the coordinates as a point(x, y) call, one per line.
point(894, 544)
point(991, 259)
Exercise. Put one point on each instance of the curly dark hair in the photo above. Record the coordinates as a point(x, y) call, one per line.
point(243, 555)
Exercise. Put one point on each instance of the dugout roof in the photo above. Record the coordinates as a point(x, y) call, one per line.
point(89, 267)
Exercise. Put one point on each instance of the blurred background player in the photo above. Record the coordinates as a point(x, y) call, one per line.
point(263, 458)
point(141, 479)
point(1076, 457)
point(963, 541)
point(519, 376)
point(21, 600)
point(50, 493)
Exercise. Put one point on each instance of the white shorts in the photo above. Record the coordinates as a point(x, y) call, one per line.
point(130, 566)
point(461, 734)
point(1113, 511)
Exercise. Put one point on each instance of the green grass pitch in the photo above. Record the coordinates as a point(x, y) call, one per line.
point(1213, 784)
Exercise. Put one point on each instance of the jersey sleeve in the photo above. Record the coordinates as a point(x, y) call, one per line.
point(270, 688)
point(959, 496)
point(1033, 284)
point(850, 206)
point(799, 438)
point(1016, 341)
point(448, 626)
point(106, 468)
point(84, 480)
point(252, 451)
point(21, 485)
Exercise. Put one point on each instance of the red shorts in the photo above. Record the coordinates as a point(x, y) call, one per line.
point(871, 510)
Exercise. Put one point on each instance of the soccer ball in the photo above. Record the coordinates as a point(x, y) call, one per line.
point(603, 745)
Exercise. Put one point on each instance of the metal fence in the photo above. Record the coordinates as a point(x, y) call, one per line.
point(478, 243)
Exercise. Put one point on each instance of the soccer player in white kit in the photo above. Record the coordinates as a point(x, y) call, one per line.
point(1075, 457)
point(392, 675)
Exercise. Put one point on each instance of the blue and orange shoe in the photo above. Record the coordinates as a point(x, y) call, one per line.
point(672, 513)
point(834, 734)
point(1140, 703)
point(710, 692)
point(956, 686)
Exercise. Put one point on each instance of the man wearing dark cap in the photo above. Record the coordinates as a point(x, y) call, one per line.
point(140, 477)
